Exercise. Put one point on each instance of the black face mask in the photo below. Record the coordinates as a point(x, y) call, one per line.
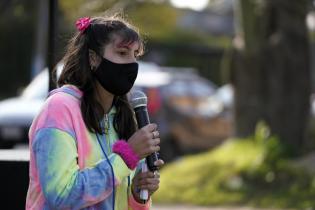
point(116, 78)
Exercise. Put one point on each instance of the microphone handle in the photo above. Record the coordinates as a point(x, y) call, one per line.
point(142, 117)
point(144, 194)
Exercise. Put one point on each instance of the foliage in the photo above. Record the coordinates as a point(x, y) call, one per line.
point(156, 20)
point(252, 171)
point(158, 23)
point(16, 40)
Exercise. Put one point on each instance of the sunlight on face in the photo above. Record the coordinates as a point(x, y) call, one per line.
point(192, 4)
point(120, 52)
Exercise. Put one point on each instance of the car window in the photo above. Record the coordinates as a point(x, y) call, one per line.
point(38, 88)
point(177, 88)
point(150, 75)
point(195, 88)
point(201, 89)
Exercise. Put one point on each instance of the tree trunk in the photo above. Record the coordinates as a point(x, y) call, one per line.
point(271, 71)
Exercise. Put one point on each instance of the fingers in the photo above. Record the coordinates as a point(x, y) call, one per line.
point(155, 134)
point(159, 163)
point(153, 148)
point(144, 175)
point(150, 131)
point(150, 127)
point(148, 181)
point(150, 187)
point(148, 175)
point(148, 140)
point(154, 142)
point(153, 145)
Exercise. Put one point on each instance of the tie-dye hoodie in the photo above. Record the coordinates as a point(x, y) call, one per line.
point(68, 169)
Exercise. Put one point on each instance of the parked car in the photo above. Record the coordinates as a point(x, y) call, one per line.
point(193, 117)
point(180, 101)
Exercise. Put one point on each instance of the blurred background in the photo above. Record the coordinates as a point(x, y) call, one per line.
point(230, 83)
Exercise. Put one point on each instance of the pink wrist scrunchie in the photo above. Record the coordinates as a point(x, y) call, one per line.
point(122, 148)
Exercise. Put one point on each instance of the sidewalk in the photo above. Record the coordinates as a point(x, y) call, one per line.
point(187, 207)
point(160, 207)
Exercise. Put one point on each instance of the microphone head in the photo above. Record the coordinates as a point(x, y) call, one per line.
point(138, 99)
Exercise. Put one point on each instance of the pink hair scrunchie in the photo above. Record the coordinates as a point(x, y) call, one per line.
point(83, 23)
point(122, 148)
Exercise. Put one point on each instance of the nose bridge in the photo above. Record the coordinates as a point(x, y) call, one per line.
point(133, 59)
point(133, 48)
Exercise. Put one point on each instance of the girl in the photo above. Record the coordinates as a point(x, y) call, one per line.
point(84, 145)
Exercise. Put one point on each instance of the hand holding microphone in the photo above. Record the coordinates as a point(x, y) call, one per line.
point(145, 143)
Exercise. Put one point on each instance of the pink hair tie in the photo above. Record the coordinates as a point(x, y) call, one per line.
point(123, 149)
point(83, 23)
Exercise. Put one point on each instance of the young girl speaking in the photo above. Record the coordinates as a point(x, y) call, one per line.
point(84, 145)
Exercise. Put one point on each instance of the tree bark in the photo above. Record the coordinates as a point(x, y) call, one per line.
point(271, 71)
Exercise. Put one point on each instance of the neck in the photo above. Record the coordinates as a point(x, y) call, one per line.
point(104, 97)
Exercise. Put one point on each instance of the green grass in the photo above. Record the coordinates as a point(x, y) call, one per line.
point(251, 171)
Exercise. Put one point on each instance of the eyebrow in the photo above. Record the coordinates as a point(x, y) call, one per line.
point(126, 46)
point(123, 45)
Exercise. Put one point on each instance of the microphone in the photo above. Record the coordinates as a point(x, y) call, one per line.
point(139, 103)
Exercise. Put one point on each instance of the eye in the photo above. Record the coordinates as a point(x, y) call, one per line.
point(123, 53)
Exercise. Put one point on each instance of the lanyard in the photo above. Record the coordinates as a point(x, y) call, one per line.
point(107, 159)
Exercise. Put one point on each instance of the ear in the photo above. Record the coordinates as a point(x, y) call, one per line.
point(94, 59)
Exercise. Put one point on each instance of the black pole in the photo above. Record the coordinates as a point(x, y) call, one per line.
point(52, 32)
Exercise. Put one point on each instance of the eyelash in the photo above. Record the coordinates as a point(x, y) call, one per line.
point(122, 53)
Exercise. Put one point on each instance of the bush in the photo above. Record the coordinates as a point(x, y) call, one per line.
point(253, 171)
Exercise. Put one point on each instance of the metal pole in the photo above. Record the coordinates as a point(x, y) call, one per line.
point(39, 61)
point(51, 54)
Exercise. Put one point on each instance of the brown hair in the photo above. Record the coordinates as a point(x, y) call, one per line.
point(77, 71)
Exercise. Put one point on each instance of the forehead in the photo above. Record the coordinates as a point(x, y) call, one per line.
point(118, 42)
